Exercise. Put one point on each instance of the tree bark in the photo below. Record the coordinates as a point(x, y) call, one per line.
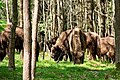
point(7, 11)
point(117, 33)
point(21, 13)
point(11, 64)
point(27, 41)
point(34, 38)
point(90, 14)
point(55, 18)
point(71, 14)
point(103, 18)
point(58, 17)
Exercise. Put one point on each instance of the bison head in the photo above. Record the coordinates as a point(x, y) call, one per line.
point(51, 42)
point(55, 52)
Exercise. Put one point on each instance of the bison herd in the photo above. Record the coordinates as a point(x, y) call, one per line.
point(4, 41)
point(71, 44)
point(19, 36)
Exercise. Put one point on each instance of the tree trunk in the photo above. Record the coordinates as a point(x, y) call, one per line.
point(12, 36)
point(117, 33)
point(90, 8)
point(7, 11)
point(27, 41)
point(99, 16)
point(55, 18)
point(58, 17)
point(34, 38)
point(71, 14)
point(44, 20)
point(21, 13)
point(103, 18)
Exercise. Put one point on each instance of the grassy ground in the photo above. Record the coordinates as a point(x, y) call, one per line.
point(49, 70)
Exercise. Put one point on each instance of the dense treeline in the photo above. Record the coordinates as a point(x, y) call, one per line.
point(56, 16)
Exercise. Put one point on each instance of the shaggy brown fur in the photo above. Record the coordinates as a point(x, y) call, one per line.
point(93, 41)
point(107, 47)
point(77, 45)
point(51, 42)
point(4, 41)
point(61, 46)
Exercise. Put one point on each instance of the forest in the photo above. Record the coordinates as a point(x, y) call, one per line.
point(59, 40)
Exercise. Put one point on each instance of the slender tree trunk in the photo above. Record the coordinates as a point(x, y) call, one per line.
point(34, 38)
point(21, 13)
point(45, 27)
point(113, 10)
point(58, 17)
point(64, 17)
point(99, 16)
point(27, 41)
point(55, 18)
point(12, 35)
point(103, 17)
point(51, 17)
point(7, 11)
point(90, 9)
point(71, 14)
point(117, 33)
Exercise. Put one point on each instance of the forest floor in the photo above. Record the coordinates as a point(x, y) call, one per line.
point(48, 69)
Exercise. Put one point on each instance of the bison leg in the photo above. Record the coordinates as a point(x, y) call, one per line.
point(65, 57)
point(60, 57)
point(70, 56)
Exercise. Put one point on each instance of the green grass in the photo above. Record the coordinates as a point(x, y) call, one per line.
point(49, 70)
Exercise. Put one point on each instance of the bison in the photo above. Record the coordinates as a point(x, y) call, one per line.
point(61, 47)
point(3, 44)
point(2, 50)
point(19, 35)
point(51, 42)
point(73, 43)
point(92, 44)
point(77, 45)
point(107, 47)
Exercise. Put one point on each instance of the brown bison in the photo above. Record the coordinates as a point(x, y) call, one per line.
point(3, 44)
point(77, 45)
point(73, 43)
point(51, 42)
point(93, 44)
point(61, 47)
point(19, 35)
point(107, 47)
point(2, 50)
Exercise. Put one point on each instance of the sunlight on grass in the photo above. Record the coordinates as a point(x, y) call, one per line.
point(50, 70)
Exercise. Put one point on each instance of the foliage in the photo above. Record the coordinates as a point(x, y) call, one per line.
point(2, 10)
point(41, 27)
point(49, 70)
point(2, 25)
